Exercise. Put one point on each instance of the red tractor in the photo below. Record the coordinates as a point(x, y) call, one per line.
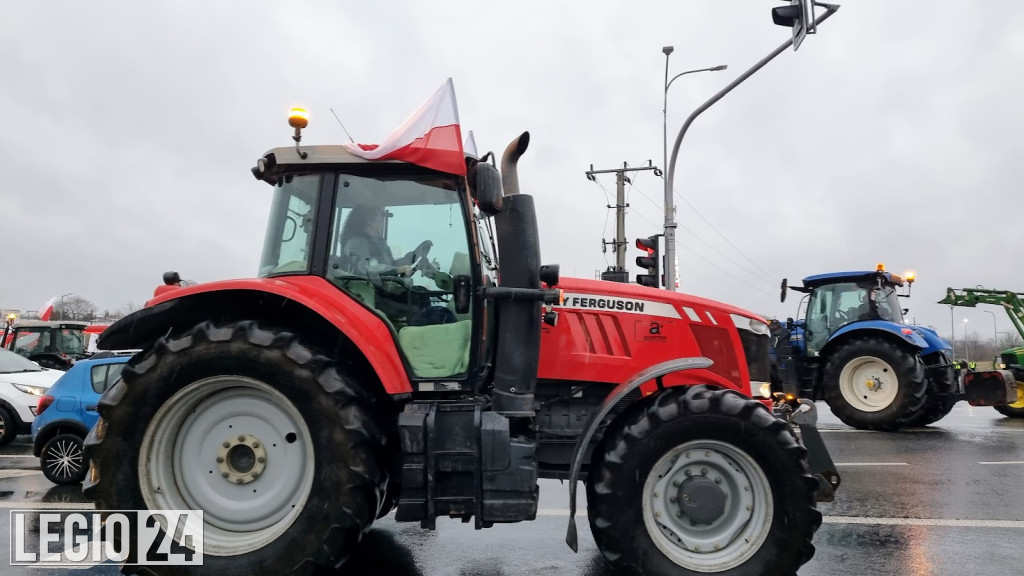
point(344, 382)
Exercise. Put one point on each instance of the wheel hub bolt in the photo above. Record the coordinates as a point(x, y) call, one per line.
point(689, 472)
point(672, 499)
point(718, 480)
point(220, 460)
point(703, 471)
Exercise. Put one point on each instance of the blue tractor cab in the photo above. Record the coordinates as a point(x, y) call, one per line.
point(852, 348)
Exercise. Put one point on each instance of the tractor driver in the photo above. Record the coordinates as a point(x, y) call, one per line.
point(366, 253)
point(364, 247)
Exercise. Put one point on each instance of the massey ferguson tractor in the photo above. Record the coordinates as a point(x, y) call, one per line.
point(402, 349)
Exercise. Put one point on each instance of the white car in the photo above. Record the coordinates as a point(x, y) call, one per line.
point(22, 382)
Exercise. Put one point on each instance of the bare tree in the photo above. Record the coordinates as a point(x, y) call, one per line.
point(74, 307)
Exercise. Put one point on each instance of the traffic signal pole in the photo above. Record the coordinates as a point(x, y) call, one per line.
point(670, 211)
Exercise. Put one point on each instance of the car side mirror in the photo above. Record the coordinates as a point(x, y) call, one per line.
point(461, 287)
point(485, 185)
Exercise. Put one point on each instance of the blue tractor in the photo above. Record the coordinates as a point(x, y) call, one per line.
point(853, 349)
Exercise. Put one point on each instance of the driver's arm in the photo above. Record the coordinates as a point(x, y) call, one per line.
point(362, 264)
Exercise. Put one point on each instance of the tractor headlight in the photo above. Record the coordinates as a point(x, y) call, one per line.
point(762, 389)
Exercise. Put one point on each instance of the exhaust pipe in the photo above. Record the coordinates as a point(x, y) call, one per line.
point(518, 347)
point(509, 162)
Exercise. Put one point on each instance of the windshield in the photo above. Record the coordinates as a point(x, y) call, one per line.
point(399, 244)
point(887, 304)
point(45, 339)
point(287, 246)
point(10, 363)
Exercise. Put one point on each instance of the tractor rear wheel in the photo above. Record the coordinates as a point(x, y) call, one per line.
point(1015, 410)
point(700, 481)
point(273, 441)
point(872, 384)
point(942, 387)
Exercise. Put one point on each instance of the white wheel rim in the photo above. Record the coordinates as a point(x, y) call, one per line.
point(868, 384)
point(179, 468)
point(710, 545)
point(64, 459)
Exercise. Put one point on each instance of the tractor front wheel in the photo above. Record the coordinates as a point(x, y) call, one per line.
point(271, 440)
point(1015, 410)
point(872, 384)
point(702, 481)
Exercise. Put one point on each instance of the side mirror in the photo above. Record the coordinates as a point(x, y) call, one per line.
point(785, 285)
point(485, 186)
point(789, 323)
point(461, 286)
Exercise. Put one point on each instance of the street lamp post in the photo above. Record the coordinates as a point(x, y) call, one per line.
point(967, 343)
point(670, 223)
point(995, 337)
point(62, 312)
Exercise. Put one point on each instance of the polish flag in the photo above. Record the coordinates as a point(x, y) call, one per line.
point(47, 310)
point(431, 137)
point(469, 146)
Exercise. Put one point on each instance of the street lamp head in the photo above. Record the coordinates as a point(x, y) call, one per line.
point(719, 67)
point(667, 50)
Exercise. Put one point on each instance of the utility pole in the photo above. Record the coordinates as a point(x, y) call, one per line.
point(618, 272)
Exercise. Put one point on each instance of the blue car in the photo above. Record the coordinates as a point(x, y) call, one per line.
point(67, 412)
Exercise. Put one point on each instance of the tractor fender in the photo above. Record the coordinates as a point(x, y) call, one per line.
point(307, 305)
point(620, 391)
point(935, 342)
point(901, 331)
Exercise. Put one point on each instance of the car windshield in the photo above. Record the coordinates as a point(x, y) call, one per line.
point(11, 363)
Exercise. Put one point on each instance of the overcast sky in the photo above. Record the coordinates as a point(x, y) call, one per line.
point(893, 135)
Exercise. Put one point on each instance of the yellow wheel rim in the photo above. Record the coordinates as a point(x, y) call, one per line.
point(1020, 396)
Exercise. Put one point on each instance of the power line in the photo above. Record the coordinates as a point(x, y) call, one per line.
point(706, 221)
point(761, 277)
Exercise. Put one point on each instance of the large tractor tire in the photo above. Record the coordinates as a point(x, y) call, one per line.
point(873, 384)
point(698, 481)
point(274, 442)
point(942, 387)
point(1015, 410)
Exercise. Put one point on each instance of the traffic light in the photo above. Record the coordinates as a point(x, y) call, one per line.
point(650, 246)
point(798, 15)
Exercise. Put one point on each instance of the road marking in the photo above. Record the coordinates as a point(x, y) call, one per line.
point(905, 430)
point(872, 464)
point(46, 505)
point(923, 522)
point(1006, 462)
point(866, 520)
point(18, 473)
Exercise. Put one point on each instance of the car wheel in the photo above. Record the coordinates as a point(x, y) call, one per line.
point(62, 459)
point(8, 426)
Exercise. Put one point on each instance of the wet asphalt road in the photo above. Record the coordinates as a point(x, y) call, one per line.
point(942, 500)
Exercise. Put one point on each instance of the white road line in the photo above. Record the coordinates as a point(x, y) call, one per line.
point(923, 522)
point(21, 505)
point(866, 520)
point(18, 473)
point(872, 464)
point(1006, 462)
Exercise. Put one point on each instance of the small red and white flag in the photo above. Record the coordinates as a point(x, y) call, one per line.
point(47, 310)
point(431, 137)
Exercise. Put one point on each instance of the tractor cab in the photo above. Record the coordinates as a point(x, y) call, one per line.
point(392, 237)
point(51, 344)
point(838, 299)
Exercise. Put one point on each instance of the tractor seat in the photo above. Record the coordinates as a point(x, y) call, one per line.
point(438, 350)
